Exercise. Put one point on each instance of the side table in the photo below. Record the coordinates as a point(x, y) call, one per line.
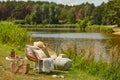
point(16, 67)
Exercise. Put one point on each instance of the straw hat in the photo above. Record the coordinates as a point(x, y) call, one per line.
point(49, 52)
point(39, 44)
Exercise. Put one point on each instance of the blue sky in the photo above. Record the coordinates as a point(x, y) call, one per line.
point(71, 2)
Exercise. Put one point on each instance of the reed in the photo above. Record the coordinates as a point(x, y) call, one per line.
point(85, 61)
point(99, 28)
point(11, 34)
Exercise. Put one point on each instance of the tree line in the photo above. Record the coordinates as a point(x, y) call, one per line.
point(51, 13)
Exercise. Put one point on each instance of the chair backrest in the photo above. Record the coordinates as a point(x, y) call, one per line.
point(33, 53)
point(30, 54)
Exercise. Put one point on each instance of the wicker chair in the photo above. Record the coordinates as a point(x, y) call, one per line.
point(38, 62)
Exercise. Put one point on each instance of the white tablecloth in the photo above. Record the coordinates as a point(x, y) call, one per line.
point(13, 59)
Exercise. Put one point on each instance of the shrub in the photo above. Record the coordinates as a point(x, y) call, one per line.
point(13, 35)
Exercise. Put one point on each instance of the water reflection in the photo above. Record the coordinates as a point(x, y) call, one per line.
point(69, 35)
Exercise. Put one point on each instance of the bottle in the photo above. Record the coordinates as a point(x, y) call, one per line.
point(12, 53)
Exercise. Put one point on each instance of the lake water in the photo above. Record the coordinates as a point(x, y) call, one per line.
point(69, 35)
point(101, 43)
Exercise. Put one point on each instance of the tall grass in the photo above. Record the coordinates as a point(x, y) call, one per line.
point(11, 34)
point(108, 68)
point(75, 27)
point(50, 26)
point(99, 28)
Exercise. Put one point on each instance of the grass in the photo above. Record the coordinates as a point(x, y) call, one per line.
point(108, 69)
point(82, 69)
point(6, 74)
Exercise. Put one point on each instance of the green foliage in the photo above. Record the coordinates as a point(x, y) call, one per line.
point(111, 12)
point(51, 13)
point(82, 62)
point(93, 28)
point(83, 24)
point(99, 28)
point(43, 12)
point(13, 35)
point(97, 14)
point(106, 29)
point(53, 16)
point(35, 17)
point(71, 16)
point(19, 22)
point(112, 72)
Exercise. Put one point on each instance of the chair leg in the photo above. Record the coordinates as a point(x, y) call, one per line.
point(35, 65)
point(40, 66)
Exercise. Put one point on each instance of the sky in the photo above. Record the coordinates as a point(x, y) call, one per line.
point(77, 2)
point(71, 2)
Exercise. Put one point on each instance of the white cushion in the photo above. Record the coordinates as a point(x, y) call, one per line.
point(62, 63)
point(40, 54)
point(29, 50)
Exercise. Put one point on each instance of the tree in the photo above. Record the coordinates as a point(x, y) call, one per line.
point(6, 9)
point(71, 16)
point(19, 12)
point(45, 13)
point(63, 14)
point(80, 14)
point(98, 14)
point(112, 12)
point(53, 17)
point(35, 16)
point(83, 24)
point(88, 9)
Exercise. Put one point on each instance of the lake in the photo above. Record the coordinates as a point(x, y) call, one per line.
point(101, 43)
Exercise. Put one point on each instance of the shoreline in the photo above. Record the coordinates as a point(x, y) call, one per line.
point(116, 31)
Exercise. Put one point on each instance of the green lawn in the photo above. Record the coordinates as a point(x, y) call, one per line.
point(5, 73)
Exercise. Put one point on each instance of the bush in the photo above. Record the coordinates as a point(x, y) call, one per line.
point(13, 35)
